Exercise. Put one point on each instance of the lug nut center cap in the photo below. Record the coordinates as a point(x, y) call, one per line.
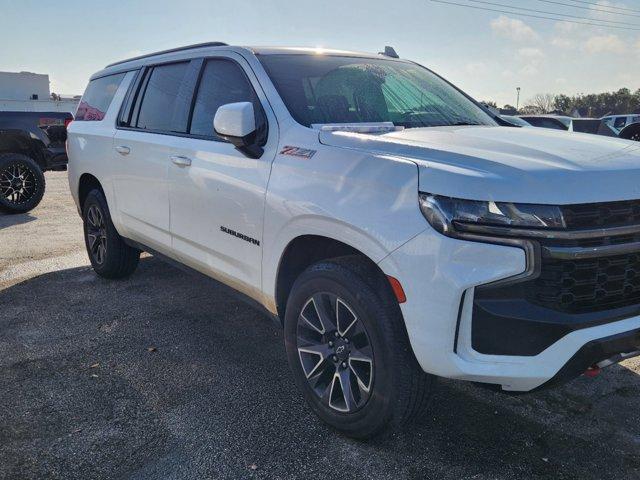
point(341, 349)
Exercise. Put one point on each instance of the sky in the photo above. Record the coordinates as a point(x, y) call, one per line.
point(487, 54)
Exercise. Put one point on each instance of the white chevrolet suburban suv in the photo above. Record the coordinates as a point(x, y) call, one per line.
point(399, 230)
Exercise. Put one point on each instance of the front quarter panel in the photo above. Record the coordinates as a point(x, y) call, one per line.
point(366, 201)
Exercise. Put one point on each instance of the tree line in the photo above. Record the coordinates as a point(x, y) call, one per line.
point(593, 105)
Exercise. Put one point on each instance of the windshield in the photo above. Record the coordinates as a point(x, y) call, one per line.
point(321, 89)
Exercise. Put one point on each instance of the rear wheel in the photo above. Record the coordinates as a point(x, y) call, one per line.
point(110, 256)
point(349, 351)
point(631, 132)
point(21, 183)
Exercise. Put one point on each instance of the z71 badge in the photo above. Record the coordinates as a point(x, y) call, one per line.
point(297, 152)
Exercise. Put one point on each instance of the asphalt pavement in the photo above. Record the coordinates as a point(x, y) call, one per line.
point(166, 376)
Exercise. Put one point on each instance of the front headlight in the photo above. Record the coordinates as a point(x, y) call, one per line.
point(443, 213)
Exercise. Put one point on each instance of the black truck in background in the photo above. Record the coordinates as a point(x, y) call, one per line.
point(30, 144)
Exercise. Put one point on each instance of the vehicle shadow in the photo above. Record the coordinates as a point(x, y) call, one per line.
point(8, 220)
point(165, 375)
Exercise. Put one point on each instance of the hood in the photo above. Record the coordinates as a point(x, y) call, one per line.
point(526, 165)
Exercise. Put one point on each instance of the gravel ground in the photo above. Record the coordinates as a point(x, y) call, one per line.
point(166, 376)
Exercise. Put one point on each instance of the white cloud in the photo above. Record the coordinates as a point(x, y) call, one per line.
point(603, 11)
point(531, 53)
point(513, 29)
point(531, 58)
point(566, 27)
point(605, 44)
point(476, 68)
point(508, 74)
point(564, 43)
point(529, 70)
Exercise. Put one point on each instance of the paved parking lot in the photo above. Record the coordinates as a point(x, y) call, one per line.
point(166, 376)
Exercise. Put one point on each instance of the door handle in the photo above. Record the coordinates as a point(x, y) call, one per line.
point(122, 150)
point(181, 161)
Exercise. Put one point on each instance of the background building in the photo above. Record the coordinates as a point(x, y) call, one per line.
point(29, 92)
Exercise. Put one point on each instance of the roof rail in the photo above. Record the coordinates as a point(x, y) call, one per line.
point(171, 50)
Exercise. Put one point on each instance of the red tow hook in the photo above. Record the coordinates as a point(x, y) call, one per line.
point(592, 371)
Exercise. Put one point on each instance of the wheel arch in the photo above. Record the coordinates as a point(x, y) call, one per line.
point(18, 141)
point(87, 183)
point(305, 250)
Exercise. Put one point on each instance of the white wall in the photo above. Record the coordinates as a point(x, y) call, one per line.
point(39, 106)
point(21, 86)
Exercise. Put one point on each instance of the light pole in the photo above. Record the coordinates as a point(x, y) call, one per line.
point(518, 99)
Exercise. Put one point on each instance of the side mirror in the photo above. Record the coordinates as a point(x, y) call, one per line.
point(236, 123)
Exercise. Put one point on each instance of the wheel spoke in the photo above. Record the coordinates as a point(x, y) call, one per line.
point(311, 316)
point(325, 311)
point(92, 237)
point(362, 368)
point(345, 317)
point(100, 253)
point(90, 218)
point(313, 357)
point(341, 395)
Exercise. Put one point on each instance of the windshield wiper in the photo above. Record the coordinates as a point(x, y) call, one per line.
point(463, 123)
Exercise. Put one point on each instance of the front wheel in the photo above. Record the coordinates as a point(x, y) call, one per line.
point(21, 183)
point(349, 351)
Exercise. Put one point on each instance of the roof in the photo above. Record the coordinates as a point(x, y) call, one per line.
point(309, 51)
point(136, 62)
point(257, 50)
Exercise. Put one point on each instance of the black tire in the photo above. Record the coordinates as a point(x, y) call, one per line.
point(631, 132)
point(22, 183)
point(110, 256)
point(398, 389)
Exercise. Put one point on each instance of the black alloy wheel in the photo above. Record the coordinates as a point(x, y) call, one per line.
point(110, 256)
point(96, 234)
point(21, 183)
point(335, 352)
point(348, 348)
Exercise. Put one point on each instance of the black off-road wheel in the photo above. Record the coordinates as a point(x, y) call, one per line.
point(22, 183)
point(349, 351)
point(631, 132)
point(110, 256)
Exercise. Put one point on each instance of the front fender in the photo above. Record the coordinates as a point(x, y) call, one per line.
point(366, 201)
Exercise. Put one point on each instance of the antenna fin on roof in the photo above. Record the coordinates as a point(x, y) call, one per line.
point(390, 52)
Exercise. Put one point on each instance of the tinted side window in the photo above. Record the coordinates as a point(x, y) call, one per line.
point(97, 97)
point(545, 123)
point(620, 122)
point(162, 95)
point(222, 82)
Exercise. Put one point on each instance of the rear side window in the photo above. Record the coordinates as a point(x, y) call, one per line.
point(222, 82)
point(97, 97)
point(162, 96)
point(620, 122)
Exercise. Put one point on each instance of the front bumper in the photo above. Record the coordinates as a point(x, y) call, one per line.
point(443, 279)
